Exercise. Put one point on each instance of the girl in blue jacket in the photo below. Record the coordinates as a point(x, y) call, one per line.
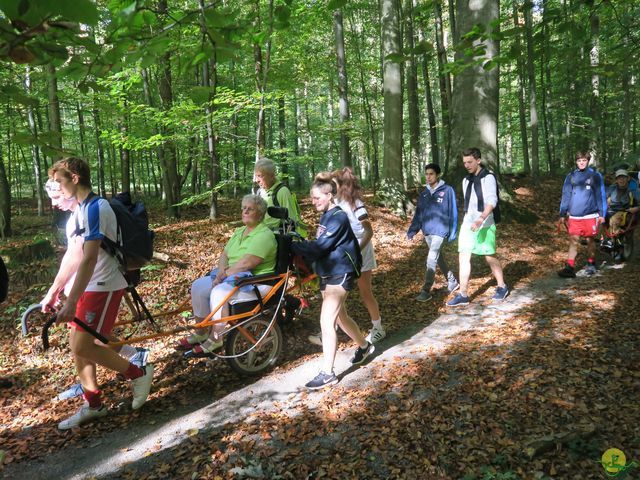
point(437, 216)
point(336, 256)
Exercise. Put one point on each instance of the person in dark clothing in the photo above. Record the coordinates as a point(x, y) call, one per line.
point(622, 203)
point(336, 256)
point(582, 209)
point(437, 216)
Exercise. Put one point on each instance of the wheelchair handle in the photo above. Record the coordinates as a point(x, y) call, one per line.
point(25, 316)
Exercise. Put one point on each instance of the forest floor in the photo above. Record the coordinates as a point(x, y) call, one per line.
point(539, 386)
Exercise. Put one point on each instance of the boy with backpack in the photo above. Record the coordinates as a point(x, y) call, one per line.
point(478, 229)
point(94, 298)
point(582, 209)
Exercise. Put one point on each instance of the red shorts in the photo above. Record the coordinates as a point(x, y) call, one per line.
point(583, 227)
point(98, 310)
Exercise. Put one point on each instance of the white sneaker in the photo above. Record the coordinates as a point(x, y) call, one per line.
point(141, 387)
point(83, 415)
point(376, 334)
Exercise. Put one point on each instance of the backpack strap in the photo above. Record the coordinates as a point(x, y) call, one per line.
point(274, 195)
point(88, 200)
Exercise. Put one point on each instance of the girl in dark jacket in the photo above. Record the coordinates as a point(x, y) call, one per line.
point(337, 261)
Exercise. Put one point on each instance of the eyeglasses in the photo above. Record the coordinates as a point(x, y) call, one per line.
point(52, 188)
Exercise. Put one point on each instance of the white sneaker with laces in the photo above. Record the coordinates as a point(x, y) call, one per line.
point(376, 334)
point(142, 386)
point(83, 415)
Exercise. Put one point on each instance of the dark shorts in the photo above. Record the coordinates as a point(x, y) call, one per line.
point(347, 281)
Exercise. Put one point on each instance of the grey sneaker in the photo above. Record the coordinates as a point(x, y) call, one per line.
point(322, 380)
point(452, 284)
point(140, 358)
point(141, 387)
point(424, 296)
point(85, 414)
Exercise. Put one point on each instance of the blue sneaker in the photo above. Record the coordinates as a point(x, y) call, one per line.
point(71, 392)
point(140, 358)
point(590, 269)
point(501, 293)
point(458, 301)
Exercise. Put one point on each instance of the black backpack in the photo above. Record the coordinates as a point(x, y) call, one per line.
point(134, 245)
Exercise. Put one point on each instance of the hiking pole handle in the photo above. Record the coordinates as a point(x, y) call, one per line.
point(24, 321)
point(45, 331)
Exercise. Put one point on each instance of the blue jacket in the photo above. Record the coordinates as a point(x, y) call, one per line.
point(335, 251)
point(583, 194)
point(436, 214)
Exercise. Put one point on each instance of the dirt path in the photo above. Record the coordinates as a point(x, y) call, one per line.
point(146, 445)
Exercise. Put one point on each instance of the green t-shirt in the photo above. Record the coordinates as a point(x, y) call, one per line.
point(261, 242)
point(287, 200)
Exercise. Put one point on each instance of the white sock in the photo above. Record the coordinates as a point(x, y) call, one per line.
point(377, 324)
point(127, 351)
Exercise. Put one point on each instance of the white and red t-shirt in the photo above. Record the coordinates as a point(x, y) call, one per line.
point(96, 220)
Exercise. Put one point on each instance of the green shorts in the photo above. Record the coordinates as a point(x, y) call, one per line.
point(480, 242)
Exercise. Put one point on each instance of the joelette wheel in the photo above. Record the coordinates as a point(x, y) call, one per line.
point(254, 361)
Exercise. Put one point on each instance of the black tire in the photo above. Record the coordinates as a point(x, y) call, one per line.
point(628, 246)
point(264, 356)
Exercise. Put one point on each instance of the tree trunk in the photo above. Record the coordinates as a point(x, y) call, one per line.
point(475, 92)
point(413, 103)
point(55, 121)
point(210, 80)
point(261, 73)
point(35, 150)
point(391, 191)
point(125, 157)
point(594, 61)
point(5, 200)
point(392, 79)
point(282, 139)
point(343, 101)
point(524, 135)
point(372, 137)
point(444, 82)
point(172, 182)
point(533, 109)
point(545, 88)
